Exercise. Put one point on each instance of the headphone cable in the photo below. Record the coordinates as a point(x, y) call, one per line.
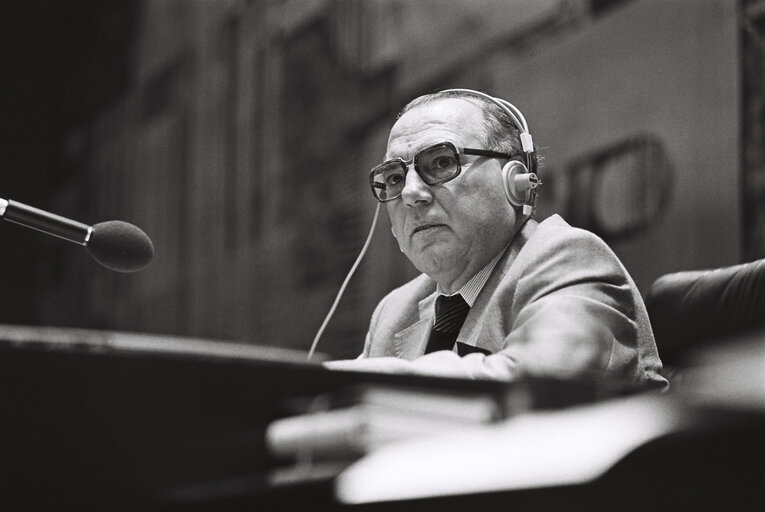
point(345, 283)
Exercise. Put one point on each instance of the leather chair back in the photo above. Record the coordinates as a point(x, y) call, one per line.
point(691, 309)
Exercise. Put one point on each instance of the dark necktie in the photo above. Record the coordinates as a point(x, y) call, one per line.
point(450, 315)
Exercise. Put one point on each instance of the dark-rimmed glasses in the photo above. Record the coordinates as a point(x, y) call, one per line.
point(435, 165)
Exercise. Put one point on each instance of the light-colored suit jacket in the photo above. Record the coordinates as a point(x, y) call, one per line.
point(559, 303)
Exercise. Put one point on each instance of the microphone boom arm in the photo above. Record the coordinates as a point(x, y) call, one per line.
point(45, 222)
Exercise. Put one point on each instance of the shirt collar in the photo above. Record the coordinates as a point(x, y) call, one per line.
point(473, 287)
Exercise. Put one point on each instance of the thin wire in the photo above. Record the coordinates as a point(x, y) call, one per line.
point(345, 284)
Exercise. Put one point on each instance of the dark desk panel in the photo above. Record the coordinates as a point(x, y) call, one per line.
point(90, 418)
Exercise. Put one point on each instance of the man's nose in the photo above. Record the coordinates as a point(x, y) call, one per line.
point(416, 192)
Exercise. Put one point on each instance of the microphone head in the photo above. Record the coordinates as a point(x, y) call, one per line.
point(120, 246)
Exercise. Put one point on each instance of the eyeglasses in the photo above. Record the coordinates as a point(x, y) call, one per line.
point(435, 165)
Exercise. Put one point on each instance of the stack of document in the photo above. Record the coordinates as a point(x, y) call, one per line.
point(343, 427)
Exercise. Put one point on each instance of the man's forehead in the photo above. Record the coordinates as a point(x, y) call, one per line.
point(456, 120)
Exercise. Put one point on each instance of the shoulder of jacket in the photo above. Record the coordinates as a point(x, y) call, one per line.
point(554, 231)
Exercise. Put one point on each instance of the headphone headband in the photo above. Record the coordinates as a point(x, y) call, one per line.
point(520, 182)
point(512, 112)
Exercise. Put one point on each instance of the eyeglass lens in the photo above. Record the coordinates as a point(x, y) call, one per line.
point(435, 165)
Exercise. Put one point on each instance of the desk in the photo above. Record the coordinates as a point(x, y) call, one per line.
point(95, 421)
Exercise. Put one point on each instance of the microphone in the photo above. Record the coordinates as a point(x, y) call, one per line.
point(116, 245)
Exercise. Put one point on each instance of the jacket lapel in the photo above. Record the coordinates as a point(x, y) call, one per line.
point(470, 334)
point(412, 341)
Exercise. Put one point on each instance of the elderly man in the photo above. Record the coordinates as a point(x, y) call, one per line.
point(501, 295)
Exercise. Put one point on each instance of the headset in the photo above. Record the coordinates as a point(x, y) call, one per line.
point(520, 181)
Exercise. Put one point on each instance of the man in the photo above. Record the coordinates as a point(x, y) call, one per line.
point(533, 298)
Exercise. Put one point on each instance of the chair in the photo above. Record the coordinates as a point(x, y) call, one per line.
point(692, 309)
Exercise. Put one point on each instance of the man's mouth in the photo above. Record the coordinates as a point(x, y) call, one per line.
point(425, 227)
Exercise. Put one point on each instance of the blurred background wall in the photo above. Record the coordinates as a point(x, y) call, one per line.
point(238, 135)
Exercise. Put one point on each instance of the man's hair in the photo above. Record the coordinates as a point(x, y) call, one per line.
point(498, 132)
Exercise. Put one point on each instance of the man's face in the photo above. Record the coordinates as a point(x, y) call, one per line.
point(449, 231)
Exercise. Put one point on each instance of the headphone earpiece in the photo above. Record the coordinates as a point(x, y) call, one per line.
point(519, 185)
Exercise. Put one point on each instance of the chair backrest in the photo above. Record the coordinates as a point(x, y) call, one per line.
point(690, 309)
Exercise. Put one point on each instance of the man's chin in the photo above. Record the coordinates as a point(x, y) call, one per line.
point(434, 260)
